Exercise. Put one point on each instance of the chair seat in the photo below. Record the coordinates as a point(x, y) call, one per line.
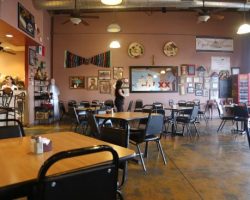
point(227, 118)
point(182, 119)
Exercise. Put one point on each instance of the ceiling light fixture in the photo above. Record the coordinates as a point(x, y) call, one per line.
point(9, 35)
point(244, 28)
point(115, 44)
point(111, 2)
point(113, 28)
point(75, 20)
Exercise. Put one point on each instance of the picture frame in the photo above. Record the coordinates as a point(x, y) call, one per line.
point(213, 44)
point(105, 87)
point(189, 80)
point(190, 90)
point(118, 73)
point(198, 86)
point(198, 92)
point(205, 93)
point(92, 83)
point(190, 85)
point(32, 57)
point(153, 79)
point(104, 75)
point(26, 21)
point(182, 90)
point(235, 70)
point(183, 70)
point(191, 69)
point(76, 82)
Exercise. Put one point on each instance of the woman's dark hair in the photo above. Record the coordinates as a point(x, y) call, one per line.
point(10, 77)
point(118, 83)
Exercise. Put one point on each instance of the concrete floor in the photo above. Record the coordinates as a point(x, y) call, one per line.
point(213, 166)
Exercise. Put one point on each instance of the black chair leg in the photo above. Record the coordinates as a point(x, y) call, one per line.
point(220, 126)
point(196, 130)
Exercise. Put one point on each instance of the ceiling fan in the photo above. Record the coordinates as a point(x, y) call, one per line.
point(6, 50)
point(76, 17)
point(204, 14)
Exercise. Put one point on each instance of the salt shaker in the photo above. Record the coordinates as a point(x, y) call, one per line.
point(38, 145)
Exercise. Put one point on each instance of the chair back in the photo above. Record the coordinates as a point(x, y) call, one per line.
point(157, 105)
point(154, 124)
point(72, 103)
point(109, 103)
point(182, 103)
point(19, 102)
point(147, 108)
point(85, 104)
point(194, 113)
point(94, 182)
point(170, 102)
point(93, 128)
point(11, 128)
point(241, 112)
point(7, 95)
point(220, 108)
point(190, 104)
point(130, 106)
point(138, 104)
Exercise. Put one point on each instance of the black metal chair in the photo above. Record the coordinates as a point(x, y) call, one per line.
point(182, 103)
point(224, 118)
point(85, 104)
point(190, 117)
point(80, 120)
point(241, 115)
point(109, 103)
point(119, 137)
point(93, 182)
point(138, 105)
point(130, 106)
point(152, 132)
point(11, 128)
point(6, 97)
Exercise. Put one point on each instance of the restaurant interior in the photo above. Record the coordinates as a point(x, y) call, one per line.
point(177, 127)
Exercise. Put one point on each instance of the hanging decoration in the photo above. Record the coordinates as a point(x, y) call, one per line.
point(101, 60)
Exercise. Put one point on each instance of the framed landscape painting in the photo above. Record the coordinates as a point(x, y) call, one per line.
point(76, 82)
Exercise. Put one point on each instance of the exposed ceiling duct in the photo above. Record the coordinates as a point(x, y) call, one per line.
point(96, 5)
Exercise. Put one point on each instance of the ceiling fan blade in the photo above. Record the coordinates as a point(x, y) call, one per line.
point(65, 22)
point(90, 16)
point(9, 52)
point(84, 22)
point(217, 16)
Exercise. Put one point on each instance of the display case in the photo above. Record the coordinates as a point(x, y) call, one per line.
point(240, 88)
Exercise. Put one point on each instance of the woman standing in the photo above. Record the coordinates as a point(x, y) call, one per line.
point(119, 96)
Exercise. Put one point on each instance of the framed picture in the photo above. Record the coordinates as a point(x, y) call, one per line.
point(214, 44)
point(189, 80)
point(104, 75)
point(26, 20)
point(235, 70)
point(191, 69)
point(118, 73)
point(198, 92)
point(105, 87)
point(205, 93)
point(184, 70)
point(190, 90)
point(76, 82)
point(190, 84)
point(182, 80)
point(153, 79)
point(215, 85)
point(181, 89)
point(198, 86)
point(92, 83)
point(32, 57)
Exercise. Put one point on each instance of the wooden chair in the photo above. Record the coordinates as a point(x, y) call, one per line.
point(94, 182)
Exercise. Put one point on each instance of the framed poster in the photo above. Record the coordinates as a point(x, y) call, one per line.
point(235, 70)
point(191, 69)
point(76, 82)
point(214, 44)
point(118, 73)
point(198, 86)
point(153, 79)
point(198, 92)
point(32, 57)
point(105, 87)
point(184, 70)
point(92, 83)
point(26, 20)
point(190, 90)
point(104, 75)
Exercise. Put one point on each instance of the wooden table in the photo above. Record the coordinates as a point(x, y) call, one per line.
point(176, 108)
point(19, 167)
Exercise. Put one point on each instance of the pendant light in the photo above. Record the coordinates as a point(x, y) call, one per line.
point(111, 2)
point(244, 28)
point(113, 28)
point(115, 44)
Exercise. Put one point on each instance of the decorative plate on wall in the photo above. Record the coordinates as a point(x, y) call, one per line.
point(135, 50)
point(170, 49)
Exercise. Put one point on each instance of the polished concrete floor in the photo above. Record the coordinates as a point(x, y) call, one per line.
point(213, 166)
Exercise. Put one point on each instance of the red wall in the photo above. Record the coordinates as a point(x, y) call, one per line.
point(153, 31)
